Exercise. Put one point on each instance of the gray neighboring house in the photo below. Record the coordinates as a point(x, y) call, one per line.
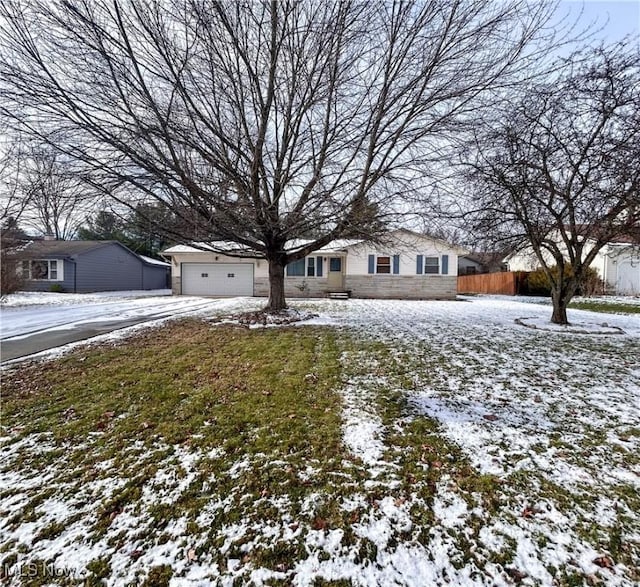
point(473, 263)
point(88, 266)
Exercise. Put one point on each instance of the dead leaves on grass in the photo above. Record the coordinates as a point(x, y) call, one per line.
point(604, 562)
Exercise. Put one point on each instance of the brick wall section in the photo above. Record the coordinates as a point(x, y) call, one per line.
point(314, 287)
point(419, 287)
point(437, 287)
point(176, 285)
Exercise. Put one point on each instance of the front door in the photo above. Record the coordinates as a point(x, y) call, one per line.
point(335, 275)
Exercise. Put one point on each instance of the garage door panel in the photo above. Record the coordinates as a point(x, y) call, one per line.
point(628, 282)
point(217, 279)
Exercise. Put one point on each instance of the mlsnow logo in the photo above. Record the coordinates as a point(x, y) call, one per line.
point(40, 569)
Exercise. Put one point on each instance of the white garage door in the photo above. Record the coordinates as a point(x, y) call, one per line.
point(628, 277)
point(219, 279)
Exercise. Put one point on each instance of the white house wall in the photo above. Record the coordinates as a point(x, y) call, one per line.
point(623, 270)
point(408, 247)
point(606, 263)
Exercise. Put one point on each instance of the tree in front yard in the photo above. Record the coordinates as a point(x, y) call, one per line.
point(263, 121)
point(12, 241)
point(559, 172)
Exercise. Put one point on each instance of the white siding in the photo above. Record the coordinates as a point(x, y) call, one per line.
point(407, 283)
point(261, 268)
point(408, 246)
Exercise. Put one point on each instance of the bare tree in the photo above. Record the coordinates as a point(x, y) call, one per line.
point(12, 200)
point(559, 171)
point(55, 194)
point(267, 121)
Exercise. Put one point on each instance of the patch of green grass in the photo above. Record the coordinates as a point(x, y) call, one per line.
point(192, 384)
point(51, 531)
point(158, 576)
point(235, 435)
point(606, 307)
point(100, 568)
point(263, 397)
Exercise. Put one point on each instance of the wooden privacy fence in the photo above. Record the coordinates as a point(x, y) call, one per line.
point(509, 283)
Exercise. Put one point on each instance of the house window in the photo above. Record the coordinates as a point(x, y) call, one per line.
point(42, 269)
point(432, 265)
point(383, 265)
point(308, 267)
point(296, 269)
point(335, 264)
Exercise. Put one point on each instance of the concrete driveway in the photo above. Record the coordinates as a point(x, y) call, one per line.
point(25, 330)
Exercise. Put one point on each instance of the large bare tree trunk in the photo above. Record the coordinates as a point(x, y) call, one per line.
point(559, 315)
point(561, 294)
point(277, 300)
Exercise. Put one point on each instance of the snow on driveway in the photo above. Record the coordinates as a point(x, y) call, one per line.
point(25, 314)
point(50, 324)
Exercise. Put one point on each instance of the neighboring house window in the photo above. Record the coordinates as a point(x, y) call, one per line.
point(384, 264)
point(42, 269)
point(432, 265)
point(308, 267)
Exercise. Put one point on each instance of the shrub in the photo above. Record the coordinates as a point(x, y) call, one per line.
point(539, 284)
point(56, 288)
point(10, 277)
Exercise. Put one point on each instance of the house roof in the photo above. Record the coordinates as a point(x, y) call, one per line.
point(214, 246)
point(223, 247)
point(335, 246)
point(56, 248)
point(486, 257)
point(63, 248)
point(150, 261)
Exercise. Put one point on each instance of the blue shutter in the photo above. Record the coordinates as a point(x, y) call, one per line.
point(419, 264)
point(372, 263)
point(396, 264)
point(445, 264)
point(318, 266)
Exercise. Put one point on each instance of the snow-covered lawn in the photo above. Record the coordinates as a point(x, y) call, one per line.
point(476, 452)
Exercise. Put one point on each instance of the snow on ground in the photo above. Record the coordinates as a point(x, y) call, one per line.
point(550, 419)
point(39, 298)
point(32, 313)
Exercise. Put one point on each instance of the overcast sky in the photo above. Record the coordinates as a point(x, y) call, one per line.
point(617, 17)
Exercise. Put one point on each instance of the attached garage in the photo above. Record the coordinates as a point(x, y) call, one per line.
point(217, 279)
